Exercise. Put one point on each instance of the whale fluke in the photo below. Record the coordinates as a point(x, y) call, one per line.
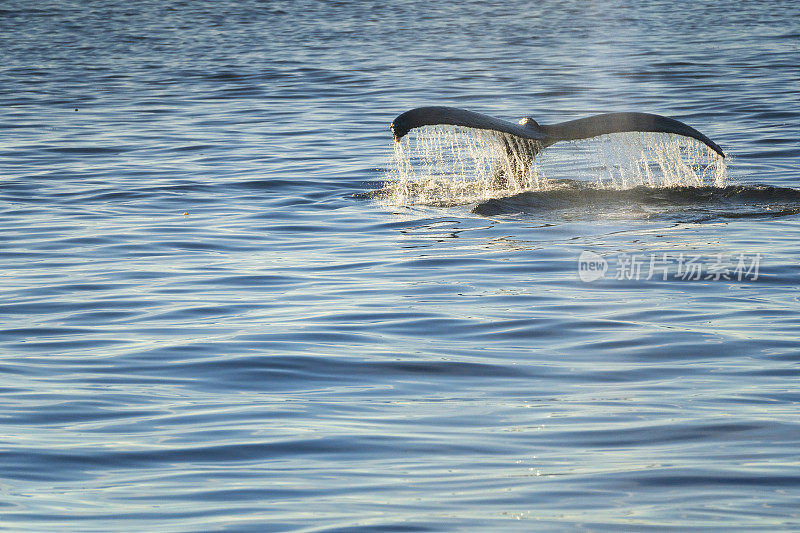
point(430, 116)
point(527, 128)
point(584, 128)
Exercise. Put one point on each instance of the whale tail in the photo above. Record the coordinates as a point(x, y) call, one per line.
point(522, 141)
point(585, 128)
point(431, 116)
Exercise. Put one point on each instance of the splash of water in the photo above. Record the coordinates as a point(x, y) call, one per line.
point(634, 159)
point(453, 165)
point(449, 165)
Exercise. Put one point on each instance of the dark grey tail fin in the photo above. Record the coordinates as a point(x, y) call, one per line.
point(521, 142)
point(430, 116)
point(584, 128)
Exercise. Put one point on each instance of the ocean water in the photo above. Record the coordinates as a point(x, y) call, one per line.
point(211, 322)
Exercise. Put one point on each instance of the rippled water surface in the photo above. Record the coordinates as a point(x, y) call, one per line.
point(208, 323)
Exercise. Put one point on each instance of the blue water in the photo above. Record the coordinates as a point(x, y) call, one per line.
point(206, 326)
